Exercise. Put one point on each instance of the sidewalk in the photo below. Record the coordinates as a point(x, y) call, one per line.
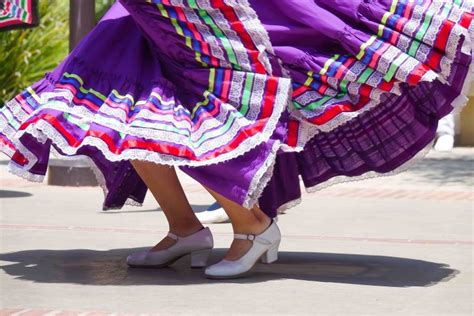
point(400, 245)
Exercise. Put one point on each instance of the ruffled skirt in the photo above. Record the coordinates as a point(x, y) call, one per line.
point(247, 97)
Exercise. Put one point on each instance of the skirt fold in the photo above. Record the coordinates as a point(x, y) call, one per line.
point(245, 99)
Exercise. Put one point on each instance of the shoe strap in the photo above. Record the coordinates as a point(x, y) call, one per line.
point(252, 238)
point(172, 236)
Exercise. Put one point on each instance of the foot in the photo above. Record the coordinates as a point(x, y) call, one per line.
point(213, 215)
point(198, 245)
point(264, 247)
point(239, 247)
point(163, 244)
point(444, 143)
point(167, 242)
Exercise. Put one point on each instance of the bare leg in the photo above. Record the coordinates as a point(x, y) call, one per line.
point(168, 192)
point(244, 221)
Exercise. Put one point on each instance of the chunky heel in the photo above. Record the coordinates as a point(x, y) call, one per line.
point(271, 255)
point(264, 247)
point(199, 258)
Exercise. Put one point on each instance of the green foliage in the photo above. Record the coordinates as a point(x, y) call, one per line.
point(101, 6)
point(25, 55)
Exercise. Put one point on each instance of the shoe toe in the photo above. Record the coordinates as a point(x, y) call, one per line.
point(136, 259)
point(213, 217)
point(444, 143)
point(213, 268)
point(223, 269)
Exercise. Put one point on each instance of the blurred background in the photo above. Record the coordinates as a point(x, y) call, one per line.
point(27, 54)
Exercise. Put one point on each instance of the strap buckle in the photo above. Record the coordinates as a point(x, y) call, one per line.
point(245, 237)
point(172, 236)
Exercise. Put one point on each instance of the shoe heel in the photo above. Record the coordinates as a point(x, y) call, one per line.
point(271, 255)
point(199, 258)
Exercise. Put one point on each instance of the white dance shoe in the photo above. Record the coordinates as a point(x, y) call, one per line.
point(213, 215)
point(264, 247)
point(198, 245)
point(444, 143)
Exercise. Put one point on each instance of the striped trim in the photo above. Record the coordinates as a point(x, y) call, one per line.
point(125, 127)
point(18, 14)
point(213, 30)
point(416, 41)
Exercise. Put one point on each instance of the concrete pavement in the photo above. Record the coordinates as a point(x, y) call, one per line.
point(401, 245)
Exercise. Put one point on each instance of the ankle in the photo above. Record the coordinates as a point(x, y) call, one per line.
point(186, 230)
point(264, 223)
point(255, 228)
point(260, 217)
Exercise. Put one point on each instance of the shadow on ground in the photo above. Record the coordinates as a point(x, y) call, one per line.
point(6, 194)
point(444, 170)
point(91, 267)
point(196, 208)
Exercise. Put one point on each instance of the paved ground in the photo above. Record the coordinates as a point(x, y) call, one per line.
point(389, 246)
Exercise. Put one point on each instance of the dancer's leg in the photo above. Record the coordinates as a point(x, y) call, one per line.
point(244, 221)
point(168, 192)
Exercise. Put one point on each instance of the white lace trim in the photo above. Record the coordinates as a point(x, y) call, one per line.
point(458, 34)
point(150, 132)
point(132, 202)
point(30, 157)
point(457, 105)
point(97, 173)
point(308, 130)
point(345, 179)
point(261, 178)
point(372, 174)
point(90, 163)
point(42, 130)
point(249, 17)
point(264, 174)
point(13, 168)
point(288, 205)
point(7, 150)
point(116, 118)
point(17, 111)
point(241, 53)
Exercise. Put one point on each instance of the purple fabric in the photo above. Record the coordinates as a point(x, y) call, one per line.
point(130, 51)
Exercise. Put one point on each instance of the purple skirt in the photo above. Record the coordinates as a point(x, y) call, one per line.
point(248, 96)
